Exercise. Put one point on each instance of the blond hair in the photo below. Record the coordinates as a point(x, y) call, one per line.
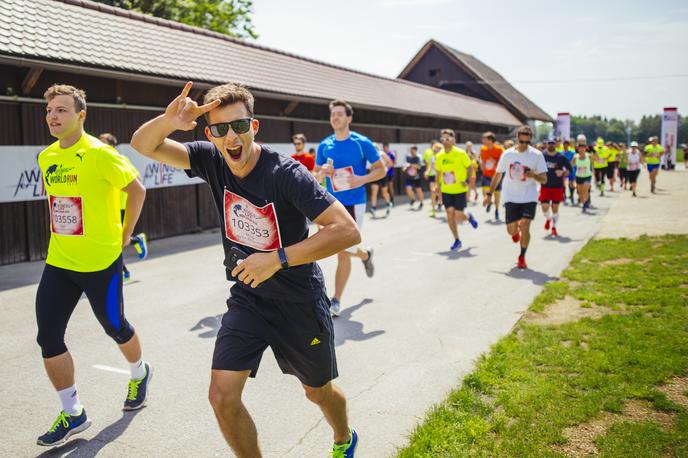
point(78, 95)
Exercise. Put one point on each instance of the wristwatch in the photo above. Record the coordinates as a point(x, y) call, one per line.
point(283, 258)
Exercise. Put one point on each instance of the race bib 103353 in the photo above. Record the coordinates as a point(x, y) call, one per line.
point(249, 225)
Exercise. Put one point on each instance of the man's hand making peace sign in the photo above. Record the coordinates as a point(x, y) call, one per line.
point(183, 111)
point(181, 114)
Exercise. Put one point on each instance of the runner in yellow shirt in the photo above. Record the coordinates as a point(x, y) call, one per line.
point(138, 241)
point(454, 169)
point(653, 157)
point(600, 158)
point(429, 157)
point(612, 164)
point(83, 178)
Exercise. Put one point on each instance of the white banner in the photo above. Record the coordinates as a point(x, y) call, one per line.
point(669, 137)
point(563, 129)
point(21, 178)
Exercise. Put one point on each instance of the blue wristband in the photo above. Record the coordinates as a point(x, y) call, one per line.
point(283, 258)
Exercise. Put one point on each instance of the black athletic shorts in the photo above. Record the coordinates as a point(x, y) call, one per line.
point(458, 201)
point(632, 175)
point(622, 173)
point(432, 178)
point(611, 168)
point(600, 174)
point(583, 180)
point(58, 293)
point(487, 181)
point(382, 181)
point(413, 183)
point(300, 335)
point(516, 212)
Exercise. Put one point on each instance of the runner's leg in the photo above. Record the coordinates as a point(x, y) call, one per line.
point(332, 403)
point(235, 422)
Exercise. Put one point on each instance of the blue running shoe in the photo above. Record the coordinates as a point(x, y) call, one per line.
point(346, 450)
point(64, 427)
point(137, 391)
point(126, 275)
point(140, 245)
point(496, 214)
point(473, 222)
point(456, 245)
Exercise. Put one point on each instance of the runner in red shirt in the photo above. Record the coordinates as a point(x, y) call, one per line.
point(490, 153)
point(307, 159)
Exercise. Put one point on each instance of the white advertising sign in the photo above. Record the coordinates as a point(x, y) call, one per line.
point(21, 178)
point(669, 137)
point(563, 129)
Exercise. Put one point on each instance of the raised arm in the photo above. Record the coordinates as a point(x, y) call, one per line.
point(151, 138)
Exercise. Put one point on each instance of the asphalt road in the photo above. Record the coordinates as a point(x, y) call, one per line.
point(404, 339)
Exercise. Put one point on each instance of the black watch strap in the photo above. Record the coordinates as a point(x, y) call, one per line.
point(283, 258)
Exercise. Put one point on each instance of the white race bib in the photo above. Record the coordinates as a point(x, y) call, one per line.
point(66, 215)
point(246, 224)
point(490, 164)
point(340, 178)
point(448, 177)
point(412, 171)
point(517, 171)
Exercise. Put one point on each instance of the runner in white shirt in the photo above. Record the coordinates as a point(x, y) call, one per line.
point(523, 168)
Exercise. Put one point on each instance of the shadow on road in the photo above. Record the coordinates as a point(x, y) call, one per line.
point(494, 222)
point(538, 278)
point(210, 325)
point(83, 448)
point(560, 239)
point(346, 329)
point(463, 253)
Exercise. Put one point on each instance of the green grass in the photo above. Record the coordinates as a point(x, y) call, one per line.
point(530, 387)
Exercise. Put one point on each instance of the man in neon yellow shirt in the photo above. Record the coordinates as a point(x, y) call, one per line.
point(600, 158)
point(138, 241)
point(612, 164)
point(429, 157)
point(83, 178)
point(454, 167)
point(653, 157)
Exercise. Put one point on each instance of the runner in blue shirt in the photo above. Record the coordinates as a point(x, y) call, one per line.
point(342, 158)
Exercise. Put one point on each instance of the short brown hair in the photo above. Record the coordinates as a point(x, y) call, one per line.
point(341, 103)
point(524, 130)
point(299, 137)
point(490, 136)
point(108, 138)
point(78, 95)
point(449, 132)
point(228, 94)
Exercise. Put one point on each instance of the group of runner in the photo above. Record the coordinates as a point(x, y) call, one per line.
point(264, 201)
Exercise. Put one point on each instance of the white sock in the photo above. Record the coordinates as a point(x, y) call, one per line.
point(555, 218)
point(70, 400)
point(547, 216)
point(138, 370)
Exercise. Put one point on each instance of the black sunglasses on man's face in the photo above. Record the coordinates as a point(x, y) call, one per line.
point(239, 126)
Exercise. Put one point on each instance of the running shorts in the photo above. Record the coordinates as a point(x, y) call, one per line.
point(457, 201)
point(517, 212)
point(554, 195)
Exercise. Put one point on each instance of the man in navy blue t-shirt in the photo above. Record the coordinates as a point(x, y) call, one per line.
point(342, 158)
point(279, 300)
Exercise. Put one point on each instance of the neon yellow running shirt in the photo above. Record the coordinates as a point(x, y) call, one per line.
point(429, 159)
point(602, 159)
point(83, 183)
point(452, 168)
point(653, 154)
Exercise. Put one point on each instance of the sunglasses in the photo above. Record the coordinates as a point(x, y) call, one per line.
point(240, 126)
point(524, 142)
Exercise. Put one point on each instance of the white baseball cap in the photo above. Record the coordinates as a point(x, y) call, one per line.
point(634, 143)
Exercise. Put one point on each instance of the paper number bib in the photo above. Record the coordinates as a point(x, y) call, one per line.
point(582, 169)
point(246, 224)
point(517, 171)
point(66, 215)
point(448, 177)
point(412, 172)
point(340, 178)
point(490, 164)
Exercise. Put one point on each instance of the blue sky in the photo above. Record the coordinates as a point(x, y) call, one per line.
point(582, 57)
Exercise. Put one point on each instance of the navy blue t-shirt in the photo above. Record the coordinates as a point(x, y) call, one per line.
point(264, 211)
point(554, 163)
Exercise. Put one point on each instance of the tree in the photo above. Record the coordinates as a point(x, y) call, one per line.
point(231, 17)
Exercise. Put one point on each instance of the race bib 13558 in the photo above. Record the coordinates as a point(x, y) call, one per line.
point(66, 215)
